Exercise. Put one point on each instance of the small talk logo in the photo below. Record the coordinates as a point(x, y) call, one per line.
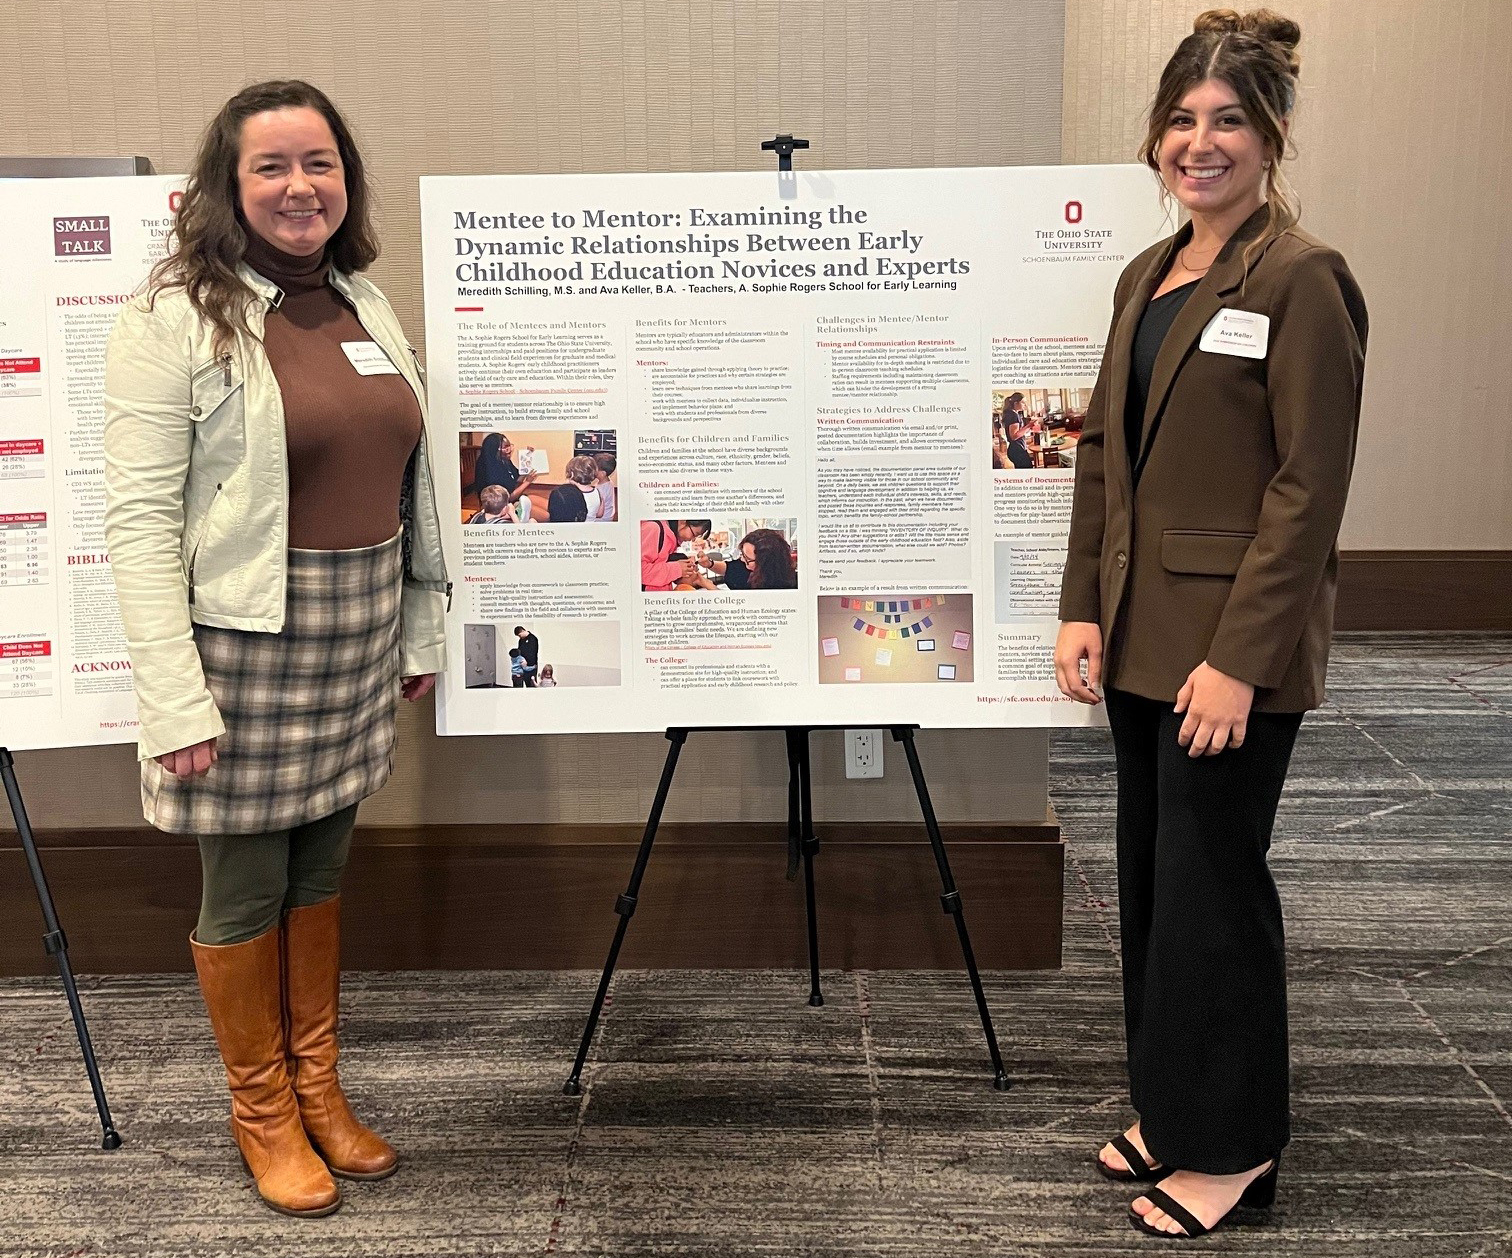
point(81, 237)
point(1073, 211)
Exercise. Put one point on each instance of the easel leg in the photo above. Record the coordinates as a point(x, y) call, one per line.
point(625, 907)
point(809, 842)
point(950, 900)
point(795, 820)
point(56, 944)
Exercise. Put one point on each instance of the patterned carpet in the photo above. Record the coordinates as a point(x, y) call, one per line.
point(724, 1117)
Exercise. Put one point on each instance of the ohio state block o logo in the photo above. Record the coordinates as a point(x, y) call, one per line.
point(1073, 211)
point(175, 199)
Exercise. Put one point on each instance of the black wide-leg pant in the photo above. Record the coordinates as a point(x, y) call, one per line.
point(1204, 952)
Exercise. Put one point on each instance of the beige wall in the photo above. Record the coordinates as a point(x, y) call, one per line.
point(1403, 138)
point(442, 87)
point(1403, 135)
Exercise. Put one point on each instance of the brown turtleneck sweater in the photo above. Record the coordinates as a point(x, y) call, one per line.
point(350, 436)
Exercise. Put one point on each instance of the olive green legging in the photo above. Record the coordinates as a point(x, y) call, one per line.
point(252, 880)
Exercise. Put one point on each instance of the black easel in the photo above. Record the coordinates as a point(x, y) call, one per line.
point(802, 841)
point(56, 944)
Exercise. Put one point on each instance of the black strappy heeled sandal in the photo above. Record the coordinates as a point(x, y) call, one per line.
point(1139, 1172)
point(1259, 1194)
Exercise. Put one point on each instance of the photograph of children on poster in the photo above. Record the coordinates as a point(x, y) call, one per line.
point(751, 436)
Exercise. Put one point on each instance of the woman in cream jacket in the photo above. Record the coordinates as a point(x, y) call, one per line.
point(273, 530)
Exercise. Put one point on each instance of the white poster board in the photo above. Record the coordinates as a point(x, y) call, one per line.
point(73, 251)
point(827, 360)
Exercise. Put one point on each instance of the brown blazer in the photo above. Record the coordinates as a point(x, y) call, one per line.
point(1227, 551)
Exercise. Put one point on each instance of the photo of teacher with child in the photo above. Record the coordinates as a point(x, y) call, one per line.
point(495, 469)
point(664, 565)
point(762, 561)
point(545, 476)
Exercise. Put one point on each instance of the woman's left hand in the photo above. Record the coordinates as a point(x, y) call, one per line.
point(417, 687)
point(1217, 710)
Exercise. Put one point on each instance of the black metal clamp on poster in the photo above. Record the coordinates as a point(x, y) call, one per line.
point(56, 944)
point(783, 146)
point(802, 840)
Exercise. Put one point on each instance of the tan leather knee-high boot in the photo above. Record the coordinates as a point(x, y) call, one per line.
point(312, 990)
point(243, 989)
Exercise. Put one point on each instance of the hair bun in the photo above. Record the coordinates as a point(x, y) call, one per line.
point(1217, 21)
point(1264, 24)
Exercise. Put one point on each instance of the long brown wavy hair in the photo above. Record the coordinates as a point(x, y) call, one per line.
point(209, 233)
point(1255, 53)
point(774, 560)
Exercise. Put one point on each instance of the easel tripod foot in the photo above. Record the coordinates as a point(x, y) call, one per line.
point(55, 944)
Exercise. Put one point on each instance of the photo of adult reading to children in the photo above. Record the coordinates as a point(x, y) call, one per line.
point(745, 554)
point(539, 477)
point(1036, 427)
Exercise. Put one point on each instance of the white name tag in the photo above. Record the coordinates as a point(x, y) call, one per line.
point(369, 359)
point(1239, 332)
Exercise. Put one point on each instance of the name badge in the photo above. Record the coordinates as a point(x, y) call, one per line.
point(369, 359)
point(1239, 332)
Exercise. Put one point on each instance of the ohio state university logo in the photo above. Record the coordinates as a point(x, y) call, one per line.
point(1073, 211)
point(81, 237)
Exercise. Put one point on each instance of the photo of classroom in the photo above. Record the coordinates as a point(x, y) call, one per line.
point(728, 554)
point(532, 654)
point(897, 637)
point(1036, 427)
point(537, 476)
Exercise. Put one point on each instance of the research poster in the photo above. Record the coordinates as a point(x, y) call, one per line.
point(743, 449)
point(74, 250)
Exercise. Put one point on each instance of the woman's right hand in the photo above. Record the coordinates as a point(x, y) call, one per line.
point(1079, 640)
point(190, 762)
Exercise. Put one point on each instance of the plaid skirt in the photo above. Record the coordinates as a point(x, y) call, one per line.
point(309, 711)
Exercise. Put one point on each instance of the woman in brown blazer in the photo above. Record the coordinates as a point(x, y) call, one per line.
point(1198, 594)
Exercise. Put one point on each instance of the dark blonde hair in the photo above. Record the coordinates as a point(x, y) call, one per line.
point(1255, 53)
point(209, 232)
point(582, 470)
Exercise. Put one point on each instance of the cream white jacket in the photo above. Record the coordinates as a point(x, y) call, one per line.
point(197, 499)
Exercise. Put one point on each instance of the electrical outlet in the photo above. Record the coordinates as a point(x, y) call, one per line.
point(863, 753)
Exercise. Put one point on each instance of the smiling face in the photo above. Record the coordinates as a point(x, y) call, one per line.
point(1211, 158)
point(290, 179)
